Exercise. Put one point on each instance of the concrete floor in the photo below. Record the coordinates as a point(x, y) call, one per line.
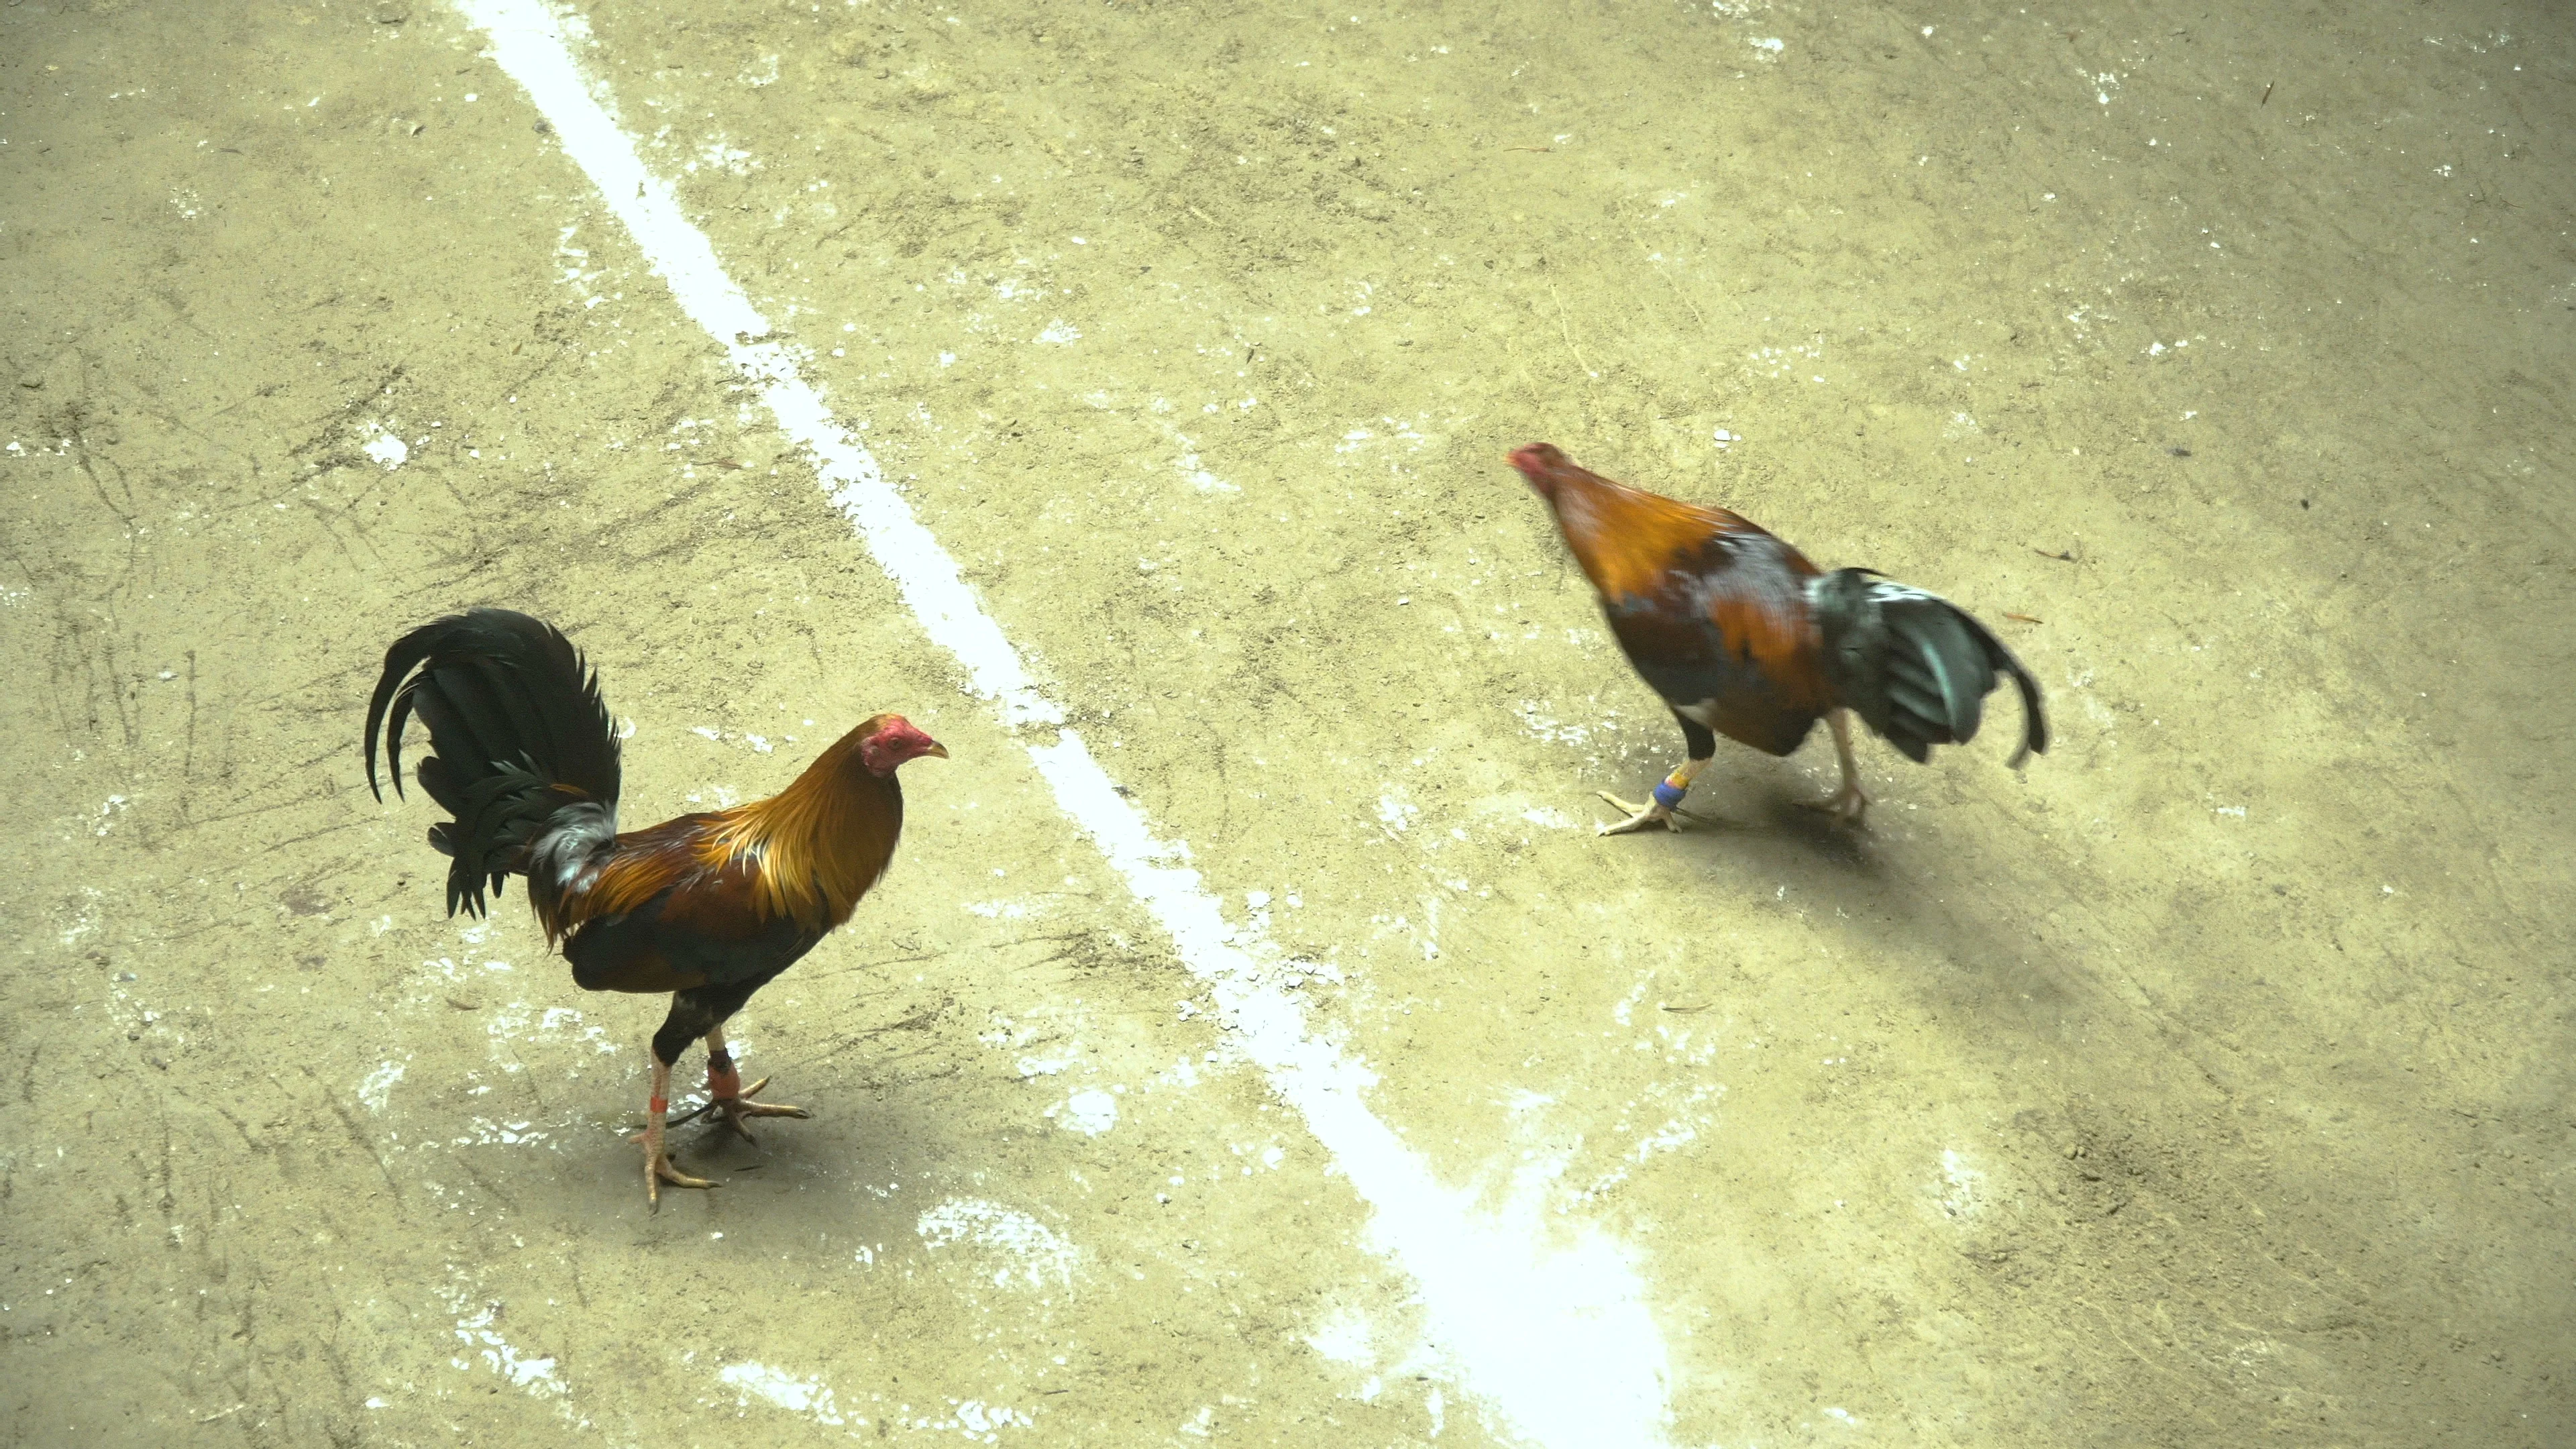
point(2206, 1084)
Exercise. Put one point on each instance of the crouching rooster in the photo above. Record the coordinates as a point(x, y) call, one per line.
point(707, 907)
point(1745, 638)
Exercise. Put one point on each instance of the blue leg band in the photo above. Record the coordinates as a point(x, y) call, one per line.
point(1669, 794)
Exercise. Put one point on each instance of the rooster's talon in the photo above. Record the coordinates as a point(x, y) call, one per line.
point(737, 1108)
point(1847, 805)
point(658, 1170)
point(1640, 817)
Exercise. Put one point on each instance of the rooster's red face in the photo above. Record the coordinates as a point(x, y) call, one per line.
point(1539, 464)
point(895, 741)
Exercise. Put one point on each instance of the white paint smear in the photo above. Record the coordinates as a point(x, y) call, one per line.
point(1547, 1326)
point(1091, 1113)
point(1345, 1338)
point(1018, 1247)
point(810, 1397)
point(474, 1329)
point(377, 1085)
point(385, 448)
point(1962, 1186)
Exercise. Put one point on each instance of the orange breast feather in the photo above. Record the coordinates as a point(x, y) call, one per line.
point(1649, 556)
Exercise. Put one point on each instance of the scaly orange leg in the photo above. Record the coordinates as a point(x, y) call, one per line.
point(657, 1163)
point(728, 1095)
point(1666, 809)
point(1847, 804)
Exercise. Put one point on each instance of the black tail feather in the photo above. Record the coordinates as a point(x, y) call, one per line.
point(2034, 737)
point(519, 730)
point(1915, 667)
point(2001, 660)
point(433, 775)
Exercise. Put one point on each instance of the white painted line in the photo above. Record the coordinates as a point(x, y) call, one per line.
point(1546, 1325)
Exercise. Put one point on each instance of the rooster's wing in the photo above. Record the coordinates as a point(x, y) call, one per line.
point(1726, 636)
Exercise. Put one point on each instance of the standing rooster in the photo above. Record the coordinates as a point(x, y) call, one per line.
point(707, 907)
point(1745, 638)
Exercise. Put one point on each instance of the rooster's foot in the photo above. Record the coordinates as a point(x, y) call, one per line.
point(737, 1108)
point(1640, 817)
point(1847, 805)
point(1643, 817)
point(658, 1170)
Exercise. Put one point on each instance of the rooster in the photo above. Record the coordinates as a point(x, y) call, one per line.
point(708, 907)
point(1745, 638)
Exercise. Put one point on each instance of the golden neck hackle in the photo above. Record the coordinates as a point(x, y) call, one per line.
point(820, 843)
point(1627, 539)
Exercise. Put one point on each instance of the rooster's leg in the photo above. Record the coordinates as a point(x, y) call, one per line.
point(657, 1163)
point(1662, 810)
point(729, 1096)
point(1847, 804)
point(1666, 808)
